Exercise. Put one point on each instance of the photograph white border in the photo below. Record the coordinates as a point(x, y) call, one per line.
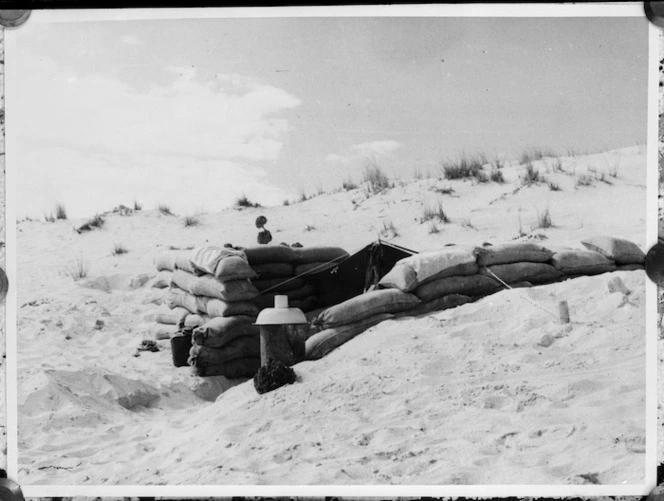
point(495, 10)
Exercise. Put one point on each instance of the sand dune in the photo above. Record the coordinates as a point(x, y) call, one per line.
point(482, 394)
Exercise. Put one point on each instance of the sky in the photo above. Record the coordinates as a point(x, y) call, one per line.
point(194, 113)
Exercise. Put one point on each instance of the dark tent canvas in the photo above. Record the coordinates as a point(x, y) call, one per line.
point(357, 273)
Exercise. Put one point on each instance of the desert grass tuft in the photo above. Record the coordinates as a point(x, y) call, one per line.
point(466, 167)
point(96, 222)
point(191, 221)
point(49, 218)
point(244, 202)
point(544, 219)
point(389, 230)
point(431, 213)
point(165, 210)
point(553, 186)
point(433, 229)
point(375, 179)
point(119, 249)
point(138, 205)
point(497, 175)
point(348, 185)
point(77, 269)
point(532, 175)
point(60, 211)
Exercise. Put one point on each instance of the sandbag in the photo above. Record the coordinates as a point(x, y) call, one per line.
point(163, 331)
point(470, 285)
point(172, 317)
point(412, 271)
point(220, 308)
point(240, 347)
point(165, 261)
point(366, 305)
point(192, 320)
point(273, 270)
point(177, 297)
point(209, 286)
point(582, 262)
point(320, 254)
point(279, 284)
point(617, 249)
point(323, 342)
point(183, 263)
point(270, 254)
point(218, 332)
point(308, 268)
point(233, 369)
point(221, 262)
point(535, 273)
point(439, 304)
point(512, 253)
point(630, 267)
point(163, 280)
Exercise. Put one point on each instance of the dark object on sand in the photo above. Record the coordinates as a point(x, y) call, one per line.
point(180, 346)
point(264, 237)
point(260, 222)
point(148, 345)
point(273, 375)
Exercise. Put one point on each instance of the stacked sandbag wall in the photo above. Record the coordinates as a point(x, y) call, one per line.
point(218, 293)
point(289, 270)
point(452, 276)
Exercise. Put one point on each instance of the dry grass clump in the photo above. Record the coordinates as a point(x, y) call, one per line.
point(309, 228)
point(448, 190)
point(497, 175)
point(374, 179)
point(49, 218)
point(77, 269)
point(191, 221)
point(96, 222)
point(544, 219)
point(119, 249)
point(534, 154)
point(433, 229)
point(532, 175)
point(553, 186)
point(437, 212)
point(244, 202)
point(137, 205)
point(389, 230)
point(348, 185)
point(60, 211)
point(466, 167)
point(165, 210)
point(585, 180)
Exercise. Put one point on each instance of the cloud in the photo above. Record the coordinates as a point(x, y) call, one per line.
point(363, 151)
point(188, 116)
point(95, 139)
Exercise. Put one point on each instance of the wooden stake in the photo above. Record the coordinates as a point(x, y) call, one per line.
point(563, 309)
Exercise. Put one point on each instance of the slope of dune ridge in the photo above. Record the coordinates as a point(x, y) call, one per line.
point(465, 396)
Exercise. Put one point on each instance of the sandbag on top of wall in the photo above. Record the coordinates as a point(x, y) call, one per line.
point(273, 270)
point(440, 304)
point(535, 273)
point(469, 285)
point(209, 286)
point(413, 271)
point(223, 263)
point(617, 249)
point(165, 261)
point(582, 262)
point(304, 255)
point(323, 342)
point(183, 263)
point(278, 284)
point(512, 253)
point(270, 254)
point(366, 305)
point(220, 331)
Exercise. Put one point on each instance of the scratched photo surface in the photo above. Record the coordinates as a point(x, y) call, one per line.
point(503, 159)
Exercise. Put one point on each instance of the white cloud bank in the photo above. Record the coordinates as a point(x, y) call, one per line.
point(91, 139)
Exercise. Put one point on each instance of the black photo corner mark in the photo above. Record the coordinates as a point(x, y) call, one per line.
point(11, 18)
point(10, 490)
point(655, 13)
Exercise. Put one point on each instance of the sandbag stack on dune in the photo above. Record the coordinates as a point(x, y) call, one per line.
point(284, 270)
point(342, 322)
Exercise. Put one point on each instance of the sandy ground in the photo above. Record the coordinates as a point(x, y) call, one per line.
point(465, 396)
